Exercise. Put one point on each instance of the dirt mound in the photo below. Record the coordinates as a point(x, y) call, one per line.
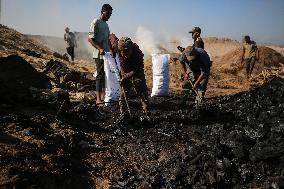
point(12, 42)
point(278, 49)
point(17, 76)
point(214, 40)
point(218, 47)
point(34, 52)
point(267, 58)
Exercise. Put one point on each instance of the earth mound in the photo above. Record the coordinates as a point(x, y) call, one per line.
point(268, 58)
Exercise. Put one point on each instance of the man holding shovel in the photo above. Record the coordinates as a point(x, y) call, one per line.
point(195, 66)
point(132, 71)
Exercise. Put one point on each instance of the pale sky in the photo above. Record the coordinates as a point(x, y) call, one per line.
point(166, 19)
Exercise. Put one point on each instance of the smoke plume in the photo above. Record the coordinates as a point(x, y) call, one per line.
point(146, 41)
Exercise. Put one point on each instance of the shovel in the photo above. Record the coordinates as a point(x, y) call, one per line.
point(193, 89)
point(122, 88)
point(145, 112)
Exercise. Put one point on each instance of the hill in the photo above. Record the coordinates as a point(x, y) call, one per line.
point(35, 52)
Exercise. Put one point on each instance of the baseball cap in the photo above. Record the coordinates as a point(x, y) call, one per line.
point(190, 53)
point(195, 29)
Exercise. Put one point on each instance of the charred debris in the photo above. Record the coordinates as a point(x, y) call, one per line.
point(52, 135)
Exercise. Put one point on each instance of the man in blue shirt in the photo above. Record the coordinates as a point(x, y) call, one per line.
point(195, 66)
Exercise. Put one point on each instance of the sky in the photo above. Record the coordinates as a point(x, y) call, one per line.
point(164, 19)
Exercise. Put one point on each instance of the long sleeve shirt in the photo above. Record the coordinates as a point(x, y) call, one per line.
point(201, 64)
point(134, 63)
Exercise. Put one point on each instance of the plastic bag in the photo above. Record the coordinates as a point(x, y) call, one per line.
point(111, 69)
point(160, 74)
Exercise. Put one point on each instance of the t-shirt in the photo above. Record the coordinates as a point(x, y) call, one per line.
point(70, 39)
point(99, 32)
point(134, 63)
point(250, 50)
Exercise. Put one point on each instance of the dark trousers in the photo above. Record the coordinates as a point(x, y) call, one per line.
point(70, 51)
point(249, 65)
point(193, 76)
point(140, 87)
point(100, 78)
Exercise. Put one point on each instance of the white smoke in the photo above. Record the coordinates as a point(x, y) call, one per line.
point(146, 41)
point(186, 41)
point(150, 43)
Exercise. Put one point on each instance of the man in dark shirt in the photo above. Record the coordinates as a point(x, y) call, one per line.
point(196, 64)
point(132, 71)
point(198, 42)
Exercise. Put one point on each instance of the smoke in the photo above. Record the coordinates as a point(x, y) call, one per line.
point(146, 41)
point(186, 41)
point(150, 43)
point(84, 50)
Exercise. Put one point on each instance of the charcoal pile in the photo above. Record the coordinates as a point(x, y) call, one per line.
point(68, 78)
point(234, 142)
point(32, 53)
point(16, 76)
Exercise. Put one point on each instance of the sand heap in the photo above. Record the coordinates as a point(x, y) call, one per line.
point(13, 42)
point(268, 58)
point(35, 52)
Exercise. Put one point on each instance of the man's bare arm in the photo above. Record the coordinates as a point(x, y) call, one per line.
point(102, 51)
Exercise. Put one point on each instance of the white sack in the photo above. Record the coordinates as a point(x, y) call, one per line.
point(160, 74)
point(111, 78)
